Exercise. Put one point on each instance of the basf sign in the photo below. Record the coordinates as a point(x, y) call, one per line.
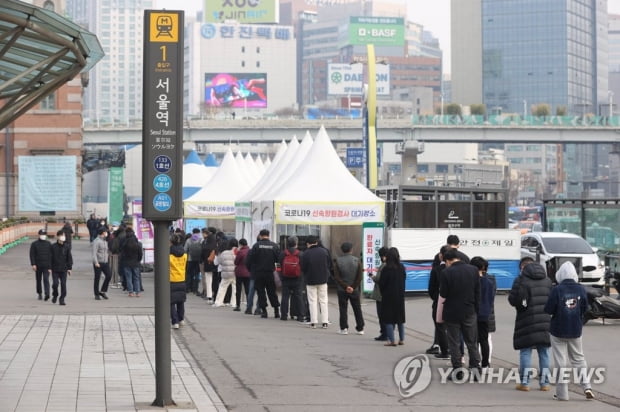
point(348, 79)
point(380, 31)
point(243, 11)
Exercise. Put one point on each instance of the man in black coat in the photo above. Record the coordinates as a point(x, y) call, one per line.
point(460, 287)
point(41, 262)
point(261, 262)
point(62, 263)
point(529, 294)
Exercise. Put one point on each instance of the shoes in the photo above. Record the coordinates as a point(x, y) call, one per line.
point(248, 311)
point(175, 326)
point(264, 314)
point(62, 303)
point(40, 297)
point(433, 350)
point(324, 326)
point(217, 305)
point(456, 375)
point(97, 297)
point(303, 321)
point(54, 299)
point(343, 331)
point(401, 342)
point(381, 338)
point(258, 311)
point(555, 398)
point(442, 356)
point(313, 326)
point(103, 295)
point(359, 332)
point(589, 394)
point(47, 297)
point(276, 312)
point(522, 388)
point(283, 318)
point(130, 294)
point(545, 388)
point(182, 323)
point(137, 295)
point(209, 300)
point(389, 344)
point(237, 309)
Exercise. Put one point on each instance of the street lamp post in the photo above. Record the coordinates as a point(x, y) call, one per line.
point(524, 109)
point(610, 94)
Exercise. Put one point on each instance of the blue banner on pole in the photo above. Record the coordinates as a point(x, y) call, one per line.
point(355, 157)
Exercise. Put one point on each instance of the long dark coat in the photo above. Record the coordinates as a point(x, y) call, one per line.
point(392, 286)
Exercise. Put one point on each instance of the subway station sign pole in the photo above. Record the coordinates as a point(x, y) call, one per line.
point(162, 167)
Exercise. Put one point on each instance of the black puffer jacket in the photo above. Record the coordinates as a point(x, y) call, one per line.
point(529, 295)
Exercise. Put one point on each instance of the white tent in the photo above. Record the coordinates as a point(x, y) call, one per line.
point(260, 166)
point(216, 200)
point(253, 173)
point(321, 191)
point(195, 174)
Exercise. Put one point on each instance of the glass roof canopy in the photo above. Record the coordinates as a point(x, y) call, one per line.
point(39, 52)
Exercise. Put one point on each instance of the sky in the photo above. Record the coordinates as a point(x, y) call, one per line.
point(435, 18)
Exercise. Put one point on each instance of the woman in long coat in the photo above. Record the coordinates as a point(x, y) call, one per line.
point(392, 286)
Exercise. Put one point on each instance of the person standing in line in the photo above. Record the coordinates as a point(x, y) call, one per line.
point(242, 274)
point(392, 285)
point(528, 295)
point(41, 262)
point(487, 302)
point(316, 266)
point(91, 224)
point(100, 264)
point(290, 273)
point(193, 249)
point(567, 304)
point(62, 263)
point(209, 246)
point(130, 258)
point(226, 260)
point(459, 285)
point(348, 276)
point(262, 260)
point(376, 293)
point(433, 291)
point(178, 262)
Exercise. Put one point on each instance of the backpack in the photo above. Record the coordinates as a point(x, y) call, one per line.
point(195, 251)
point(290, 264)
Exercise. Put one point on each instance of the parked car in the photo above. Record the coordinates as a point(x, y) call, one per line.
point(554, 248)
point(527, 226)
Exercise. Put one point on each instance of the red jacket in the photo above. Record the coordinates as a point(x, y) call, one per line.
point(240, 269)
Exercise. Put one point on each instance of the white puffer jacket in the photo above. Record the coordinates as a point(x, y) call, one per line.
point(226, 260)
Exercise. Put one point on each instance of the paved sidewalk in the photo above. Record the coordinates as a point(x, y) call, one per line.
point(76, 360)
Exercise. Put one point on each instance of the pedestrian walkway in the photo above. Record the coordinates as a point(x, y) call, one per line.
point(67, 358)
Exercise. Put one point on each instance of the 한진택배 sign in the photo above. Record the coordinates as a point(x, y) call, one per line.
point(162, 131)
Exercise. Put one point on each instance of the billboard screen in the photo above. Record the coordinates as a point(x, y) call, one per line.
point(243, 11)
point(244, 90)
point(39, 177)
point(380, 31)
point(348, 79)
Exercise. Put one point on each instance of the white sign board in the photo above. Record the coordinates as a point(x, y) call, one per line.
point(348, 79)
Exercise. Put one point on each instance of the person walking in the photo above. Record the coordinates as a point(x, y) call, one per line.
point(459, 286)
point(376, 293)
point(62, 263)
point(101, 264)
point(528, 295)
point(316, 266)
point(262, 260)
point(91, 225)
point(567, 305)
point(242, 274)
point(130, 259)
point(226, 260)
point(178, 262)
point(41, 262)
point(68, 231)
point(348, 276)
point(392, 285)
point(290, 274)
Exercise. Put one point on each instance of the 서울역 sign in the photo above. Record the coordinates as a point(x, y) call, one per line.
point(162, 132)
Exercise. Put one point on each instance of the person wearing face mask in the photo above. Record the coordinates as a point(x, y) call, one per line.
point(41, 262)
point(62, 262)
point(100, 263)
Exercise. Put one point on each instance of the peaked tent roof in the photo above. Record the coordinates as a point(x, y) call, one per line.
point(195, 174)
point(192, 157)
point(211, 160)
point(217, 198)
point(328, 195)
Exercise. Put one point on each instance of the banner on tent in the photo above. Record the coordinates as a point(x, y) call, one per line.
point(243, 211)
point(215, 210)
point(329, 213)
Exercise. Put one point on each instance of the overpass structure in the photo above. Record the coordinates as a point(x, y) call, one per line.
point(350, 131)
